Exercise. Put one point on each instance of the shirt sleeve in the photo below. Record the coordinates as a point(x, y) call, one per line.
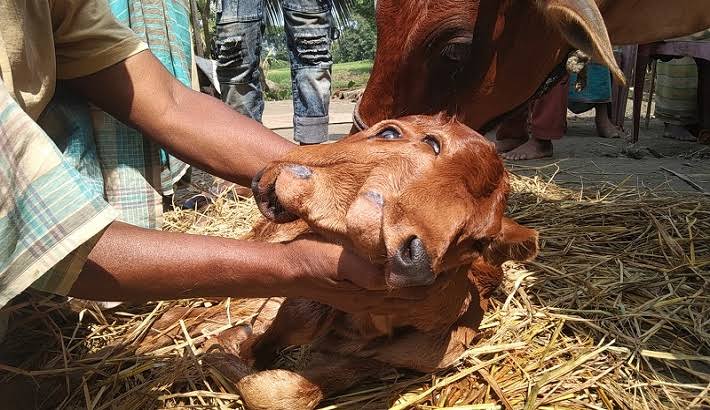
point(47, 209)
point(87, 38)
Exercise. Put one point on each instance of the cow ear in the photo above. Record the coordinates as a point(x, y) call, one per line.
point(513, 243)
point(582, 25)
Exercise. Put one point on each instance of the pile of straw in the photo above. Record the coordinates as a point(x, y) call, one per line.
point(613, 314)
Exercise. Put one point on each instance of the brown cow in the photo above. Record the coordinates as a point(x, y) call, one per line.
point(425, 198)
point(480, 59)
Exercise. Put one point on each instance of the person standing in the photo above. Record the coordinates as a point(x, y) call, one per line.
point(309, 32)
point(530, 133)
point(677, 94)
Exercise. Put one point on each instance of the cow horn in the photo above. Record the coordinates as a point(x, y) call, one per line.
point(582, 25)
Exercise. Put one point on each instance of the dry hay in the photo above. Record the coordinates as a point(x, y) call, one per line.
point(612, 314)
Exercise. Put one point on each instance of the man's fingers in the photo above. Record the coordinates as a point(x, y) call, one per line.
point(361, 272)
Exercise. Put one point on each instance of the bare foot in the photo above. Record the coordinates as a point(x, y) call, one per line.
point(606, 129)
point(678, 132)
point(534, 148)
point(509, 144)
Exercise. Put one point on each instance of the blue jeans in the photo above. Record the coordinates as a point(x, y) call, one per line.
point(238, 45)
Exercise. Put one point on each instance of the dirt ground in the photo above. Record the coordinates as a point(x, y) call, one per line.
point(585, 159)
point(581, 159)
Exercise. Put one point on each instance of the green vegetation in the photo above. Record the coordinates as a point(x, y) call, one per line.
point(352, 52)
point(346, 76)
point(358, 35)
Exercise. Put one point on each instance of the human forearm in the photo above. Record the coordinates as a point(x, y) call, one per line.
point(134, 264)
point(194, 127)
point(232, 148)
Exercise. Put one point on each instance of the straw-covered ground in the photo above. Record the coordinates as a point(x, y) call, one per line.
point(613, 314)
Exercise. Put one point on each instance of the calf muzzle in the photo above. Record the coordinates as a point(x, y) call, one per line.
point(266, 199)
point(410, 265)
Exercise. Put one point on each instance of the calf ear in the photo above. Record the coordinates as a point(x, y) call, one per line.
point(582, 25)
point(513, 243)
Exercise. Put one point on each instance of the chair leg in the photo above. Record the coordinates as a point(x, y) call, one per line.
point(640, 78)
point(704, 94)
point(620, 93)
point(616, 93)
point(654, 66)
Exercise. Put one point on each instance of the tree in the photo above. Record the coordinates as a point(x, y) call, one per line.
point(358, 38)
point(274, 40)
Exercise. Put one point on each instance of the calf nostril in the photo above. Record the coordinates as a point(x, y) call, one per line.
point(255, 181)
point(411, 266)
point(412, 251)
point(415, 249)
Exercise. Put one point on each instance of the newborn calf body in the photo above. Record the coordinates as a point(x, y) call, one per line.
point(424, 197)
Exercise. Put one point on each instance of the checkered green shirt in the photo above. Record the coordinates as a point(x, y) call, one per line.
point(47, 208)
point(66, 177)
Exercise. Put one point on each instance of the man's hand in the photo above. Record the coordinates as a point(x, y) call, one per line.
point(135, 264)
point(194, 127)
point(335, 276)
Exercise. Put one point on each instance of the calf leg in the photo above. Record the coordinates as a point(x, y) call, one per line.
point(298, 322)
point(326, 375)
point(428, 352)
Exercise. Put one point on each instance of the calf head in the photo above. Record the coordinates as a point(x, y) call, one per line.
point(420, 195)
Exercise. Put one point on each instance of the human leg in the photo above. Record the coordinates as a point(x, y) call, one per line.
point(676, 97)
point(547, 122)
point(238, 44)
point(605, 128)
point(308, 30)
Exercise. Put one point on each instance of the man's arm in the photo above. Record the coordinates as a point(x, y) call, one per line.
point(194, 127)
point(135, 264)
point(131, 263)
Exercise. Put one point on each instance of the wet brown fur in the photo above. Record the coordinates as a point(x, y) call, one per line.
point(456, 201)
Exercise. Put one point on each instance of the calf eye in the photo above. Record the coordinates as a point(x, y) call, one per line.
point(389, 134)
point(433, 143)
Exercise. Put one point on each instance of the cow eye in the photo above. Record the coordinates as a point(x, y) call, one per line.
point(433, 143)
point(456, 51)
point(458, 48)
point(389, 134)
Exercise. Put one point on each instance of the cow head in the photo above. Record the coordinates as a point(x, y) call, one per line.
point(476, 59)
point(420, 195)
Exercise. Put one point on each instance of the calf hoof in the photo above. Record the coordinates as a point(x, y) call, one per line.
point(279, 390)
point(257, 353)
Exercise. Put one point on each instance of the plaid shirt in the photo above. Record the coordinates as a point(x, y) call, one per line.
point(47, 208)
point(64, 181)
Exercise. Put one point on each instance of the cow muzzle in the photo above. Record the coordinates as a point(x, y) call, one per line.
point(410, 265)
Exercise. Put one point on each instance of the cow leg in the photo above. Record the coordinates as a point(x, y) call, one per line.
point(325, 376)
point(298, 322)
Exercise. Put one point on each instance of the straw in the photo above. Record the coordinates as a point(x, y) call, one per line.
point(614, 313)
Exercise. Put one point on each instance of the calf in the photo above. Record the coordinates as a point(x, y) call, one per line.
point(422, 196)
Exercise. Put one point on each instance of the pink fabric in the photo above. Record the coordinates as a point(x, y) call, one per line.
point(548, 120)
